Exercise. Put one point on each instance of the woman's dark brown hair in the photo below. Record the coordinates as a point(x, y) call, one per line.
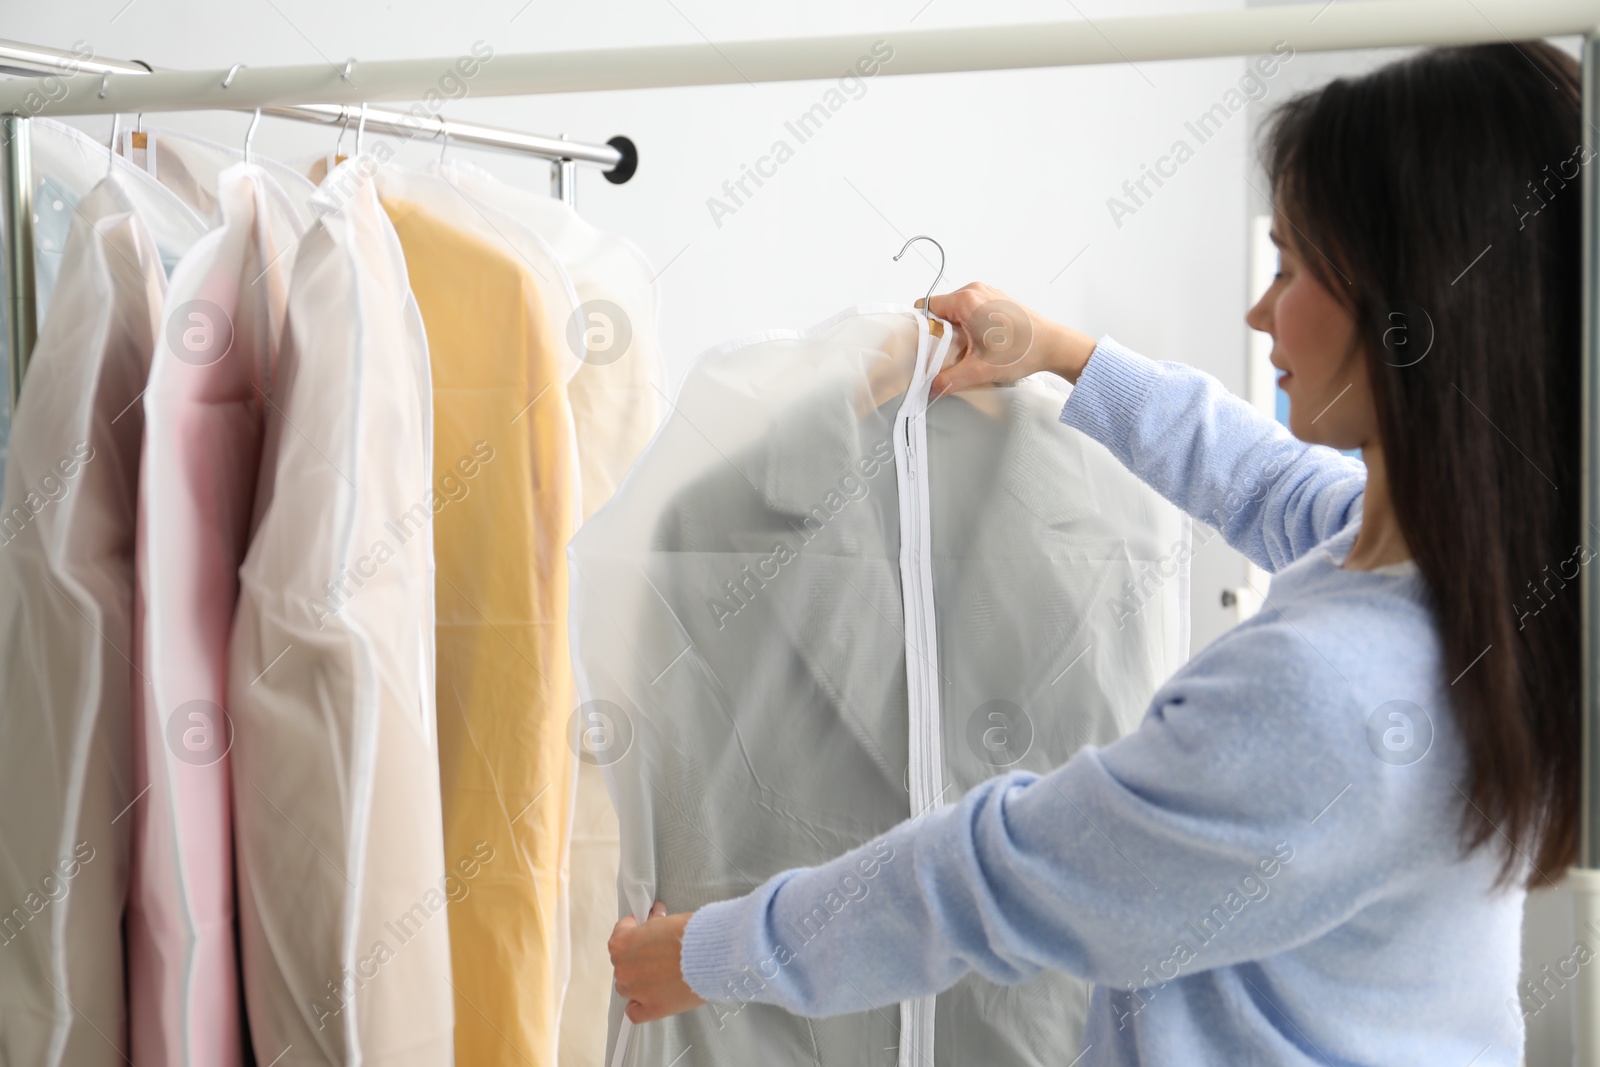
point(1438, 198)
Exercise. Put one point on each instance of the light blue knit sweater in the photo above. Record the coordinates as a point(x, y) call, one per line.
point(1267, 871)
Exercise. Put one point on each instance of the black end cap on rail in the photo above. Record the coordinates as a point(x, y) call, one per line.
point(626, 165)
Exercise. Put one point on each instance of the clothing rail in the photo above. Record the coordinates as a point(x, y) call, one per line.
point(1323, 25)
point(35, 61)
point(48, 68)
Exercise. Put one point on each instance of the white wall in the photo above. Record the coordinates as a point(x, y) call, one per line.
point(1010, 171)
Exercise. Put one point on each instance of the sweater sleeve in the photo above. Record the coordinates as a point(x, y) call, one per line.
point(1241, 819)
point(1180, 431)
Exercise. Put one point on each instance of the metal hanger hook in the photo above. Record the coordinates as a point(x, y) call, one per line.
point(105, 83)
point(344, 127)
point(111, 157)
point(361, 128)
point(926, 300)
point(444, 137)
point(349, 65)
point(227, 82)
point(250, 133)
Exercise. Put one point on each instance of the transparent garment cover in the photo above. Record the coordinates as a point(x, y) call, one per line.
point(190, 166)
point(66, 620)
point(742, 634)
point(492, 301)
point(205, 410)
point(616, 402)
point(67, 163)
point(338, 838)
point(615, 391)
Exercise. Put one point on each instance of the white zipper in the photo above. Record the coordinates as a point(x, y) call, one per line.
point(924, 748)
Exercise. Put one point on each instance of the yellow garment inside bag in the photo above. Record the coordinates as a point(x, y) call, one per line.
point(504, 509)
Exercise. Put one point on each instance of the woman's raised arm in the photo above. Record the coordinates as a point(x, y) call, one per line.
point(1179, 429)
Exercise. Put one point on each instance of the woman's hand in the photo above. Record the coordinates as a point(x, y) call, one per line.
point(999, 340)
point(647, 960)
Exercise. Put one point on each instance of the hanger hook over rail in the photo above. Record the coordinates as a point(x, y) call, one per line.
point(928, 299)
point(344, 127)
point(233, 72)
point(250, 133)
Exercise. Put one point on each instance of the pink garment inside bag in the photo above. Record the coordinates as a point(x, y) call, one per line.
point(204, 419)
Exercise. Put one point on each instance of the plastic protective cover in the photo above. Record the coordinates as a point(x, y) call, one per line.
point(819, 606)
point(67, 163)
point(616, 407)
point(205, 417)
point(339, 847)
point(190, 166)
point(614, 389)
point(66, 606)
point(489, 223)
point(493, 303)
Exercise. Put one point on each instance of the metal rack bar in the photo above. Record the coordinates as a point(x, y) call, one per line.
point(21, 291)
point(564, 180)
point(457, 132)
point(70, 69)
point(1585, 877)
point(1308, 27)
point(50, 72)
point(1589, 841)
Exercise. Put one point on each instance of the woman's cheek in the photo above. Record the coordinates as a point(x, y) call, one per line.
point(1315, 332)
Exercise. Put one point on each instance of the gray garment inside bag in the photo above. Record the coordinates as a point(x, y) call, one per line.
point(738, 620)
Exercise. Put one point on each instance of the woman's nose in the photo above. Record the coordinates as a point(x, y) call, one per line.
point(1259, 317)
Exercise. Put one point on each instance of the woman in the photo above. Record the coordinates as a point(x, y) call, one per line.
point(1315, 847)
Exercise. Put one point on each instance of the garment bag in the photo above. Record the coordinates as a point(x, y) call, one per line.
point(190, 166)
point(818, 607)
point(340, 856)
point(66, 605)
point(615, 389)
point(617, 409)
point(205, 412)
point(505, 506)
point(67, 163)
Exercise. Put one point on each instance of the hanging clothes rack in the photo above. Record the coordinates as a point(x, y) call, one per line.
point(35, 61)
point(1319, 26)
point(618, 156)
